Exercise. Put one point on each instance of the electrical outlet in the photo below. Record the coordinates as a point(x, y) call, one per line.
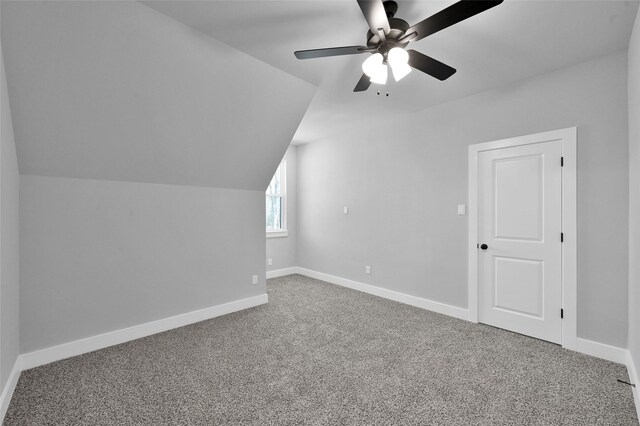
point(461, 209)
point(346, 210)
point(367, 270)
point(254, 279)
point(269, 262)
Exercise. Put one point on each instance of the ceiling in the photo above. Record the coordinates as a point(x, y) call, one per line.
point(513, 41)
point(116, 91)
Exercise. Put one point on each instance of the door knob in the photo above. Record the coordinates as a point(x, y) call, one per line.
point(484, 246)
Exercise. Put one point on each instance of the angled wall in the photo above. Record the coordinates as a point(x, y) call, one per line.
point(402, 182)
point(118, 91)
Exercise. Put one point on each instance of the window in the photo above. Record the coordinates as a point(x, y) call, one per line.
point(276, 204)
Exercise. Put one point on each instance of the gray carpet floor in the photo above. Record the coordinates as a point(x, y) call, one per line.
point(322, 354)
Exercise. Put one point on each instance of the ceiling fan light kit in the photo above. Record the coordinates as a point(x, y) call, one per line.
point(375, 66)
point(388, 38)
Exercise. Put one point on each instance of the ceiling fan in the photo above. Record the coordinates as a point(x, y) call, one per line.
point(388, 38)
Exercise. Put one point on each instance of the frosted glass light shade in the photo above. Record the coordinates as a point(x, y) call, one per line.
point(380, 75)
point(373, 62)
point(398, 56)
point(375, 69)
point(398, 60)
point(400, 71)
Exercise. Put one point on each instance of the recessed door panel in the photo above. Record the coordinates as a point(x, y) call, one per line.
point(518, 286)
point(519, 183)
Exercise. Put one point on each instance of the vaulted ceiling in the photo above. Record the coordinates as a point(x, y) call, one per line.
point(118, 91)
point(513, 41)
point(209, 93)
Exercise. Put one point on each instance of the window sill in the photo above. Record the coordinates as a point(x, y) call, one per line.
point(277, 234)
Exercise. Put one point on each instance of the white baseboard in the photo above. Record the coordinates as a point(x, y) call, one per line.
point(9, 387)
point(635, 379)
point(282, 272)
point(100, 341)
point(601, 350)
point(418, 302)
point(588, 347)
point(78, 347)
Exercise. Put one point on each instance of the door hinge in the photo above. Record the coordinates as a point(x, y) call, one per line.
point(561, 161)
point(562, 237)
point(561, 313)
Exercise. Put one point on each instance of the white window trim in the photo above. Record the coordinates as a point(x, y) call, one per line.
point(277, 233)
point(282, 232)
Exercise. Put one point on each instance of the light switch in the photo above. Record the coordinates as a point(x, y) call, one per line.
point(346, 210)
point(461, 209)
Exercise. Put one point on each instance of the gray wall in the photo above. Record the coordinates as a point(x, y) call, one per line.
point(282, 250)
point(115, 103)
point(9, 246)
point(100, 255)
point(402, 181)
point(634, 193)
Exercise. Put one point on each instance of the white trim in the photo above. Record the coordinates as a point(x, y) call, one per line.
point(9, 387)
point(277, 233)
point(588, 347)
point(635, 379)
point(472, 236)
point(570, 244)
point(418, 302)
point(78, 347)
point(282, 272)
point(100, 341)
point(601, 350)
point(569, 225)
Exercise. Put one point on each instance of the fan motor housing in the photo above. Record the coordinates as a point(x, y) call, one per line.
point(398, 28)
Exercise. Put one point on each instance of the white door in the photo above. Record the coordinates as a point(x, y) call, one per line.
point(520, 253)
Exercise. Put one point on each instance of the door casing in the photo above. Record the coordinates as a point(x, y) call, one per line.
point(568, 138)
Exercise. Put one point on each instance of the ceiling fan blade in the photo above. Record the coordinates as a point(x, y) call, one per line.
point(453, 14)
point(363, 84)
point(329, 51)
point(429, 65)
point(374, 13)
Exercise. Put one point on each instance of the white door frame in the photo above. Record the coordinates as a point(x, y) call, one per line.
point(568, 137)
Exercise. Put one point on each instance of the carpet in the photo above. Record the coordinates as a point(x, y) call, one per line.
point(320, 354)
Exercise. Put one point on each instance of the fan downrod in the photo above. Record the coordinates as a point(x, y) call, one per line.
point(390, 7)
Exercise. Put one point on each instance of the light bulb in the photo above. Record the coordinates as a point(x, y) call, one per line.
point(398, 59)
point(375, 69)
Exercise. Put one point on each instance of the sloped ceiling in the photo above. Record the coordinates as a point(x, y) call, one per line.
point(516, 40)
point(118, 91)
